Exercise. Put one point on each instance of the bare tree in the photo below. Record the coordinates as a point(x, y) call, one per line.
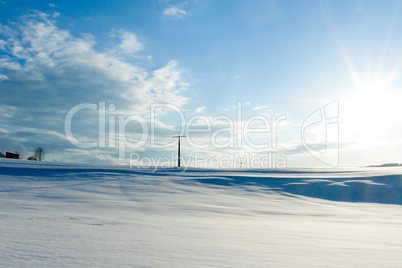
point(40, 153)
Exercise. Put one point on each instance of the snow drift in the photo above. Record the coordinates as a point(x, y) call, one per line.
point(79, 215)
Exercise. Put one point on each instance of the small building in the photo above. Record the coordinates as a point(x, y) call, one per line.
point(12, 155)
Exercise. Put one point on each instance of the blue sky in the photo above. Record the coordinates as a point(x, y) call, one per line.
point(282, 59)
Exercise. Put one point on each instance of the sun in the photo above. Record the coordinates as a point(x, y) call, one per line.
point(372, 107)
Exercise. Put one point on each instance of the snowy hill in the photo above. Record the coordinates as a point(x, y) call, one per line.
point(65, 215)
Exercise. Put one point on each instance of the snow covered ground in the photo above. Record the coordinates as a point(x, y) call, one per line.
point(67, 215)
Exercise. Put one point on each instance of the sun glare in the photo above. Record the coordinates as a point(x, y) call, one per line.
point(372, 108)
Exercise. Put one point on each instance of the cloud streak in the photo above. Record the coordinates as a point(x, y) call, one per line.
point(174, 11)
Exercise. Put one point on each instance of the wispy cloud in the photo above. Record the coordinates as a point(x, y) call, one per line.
point(54, 71)
point(261, 108)
point(129, 42)
point(174, 11)
point(200, 109)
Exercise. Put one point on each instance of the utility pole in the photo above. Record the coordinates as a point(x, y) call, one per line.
point(178, 149)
